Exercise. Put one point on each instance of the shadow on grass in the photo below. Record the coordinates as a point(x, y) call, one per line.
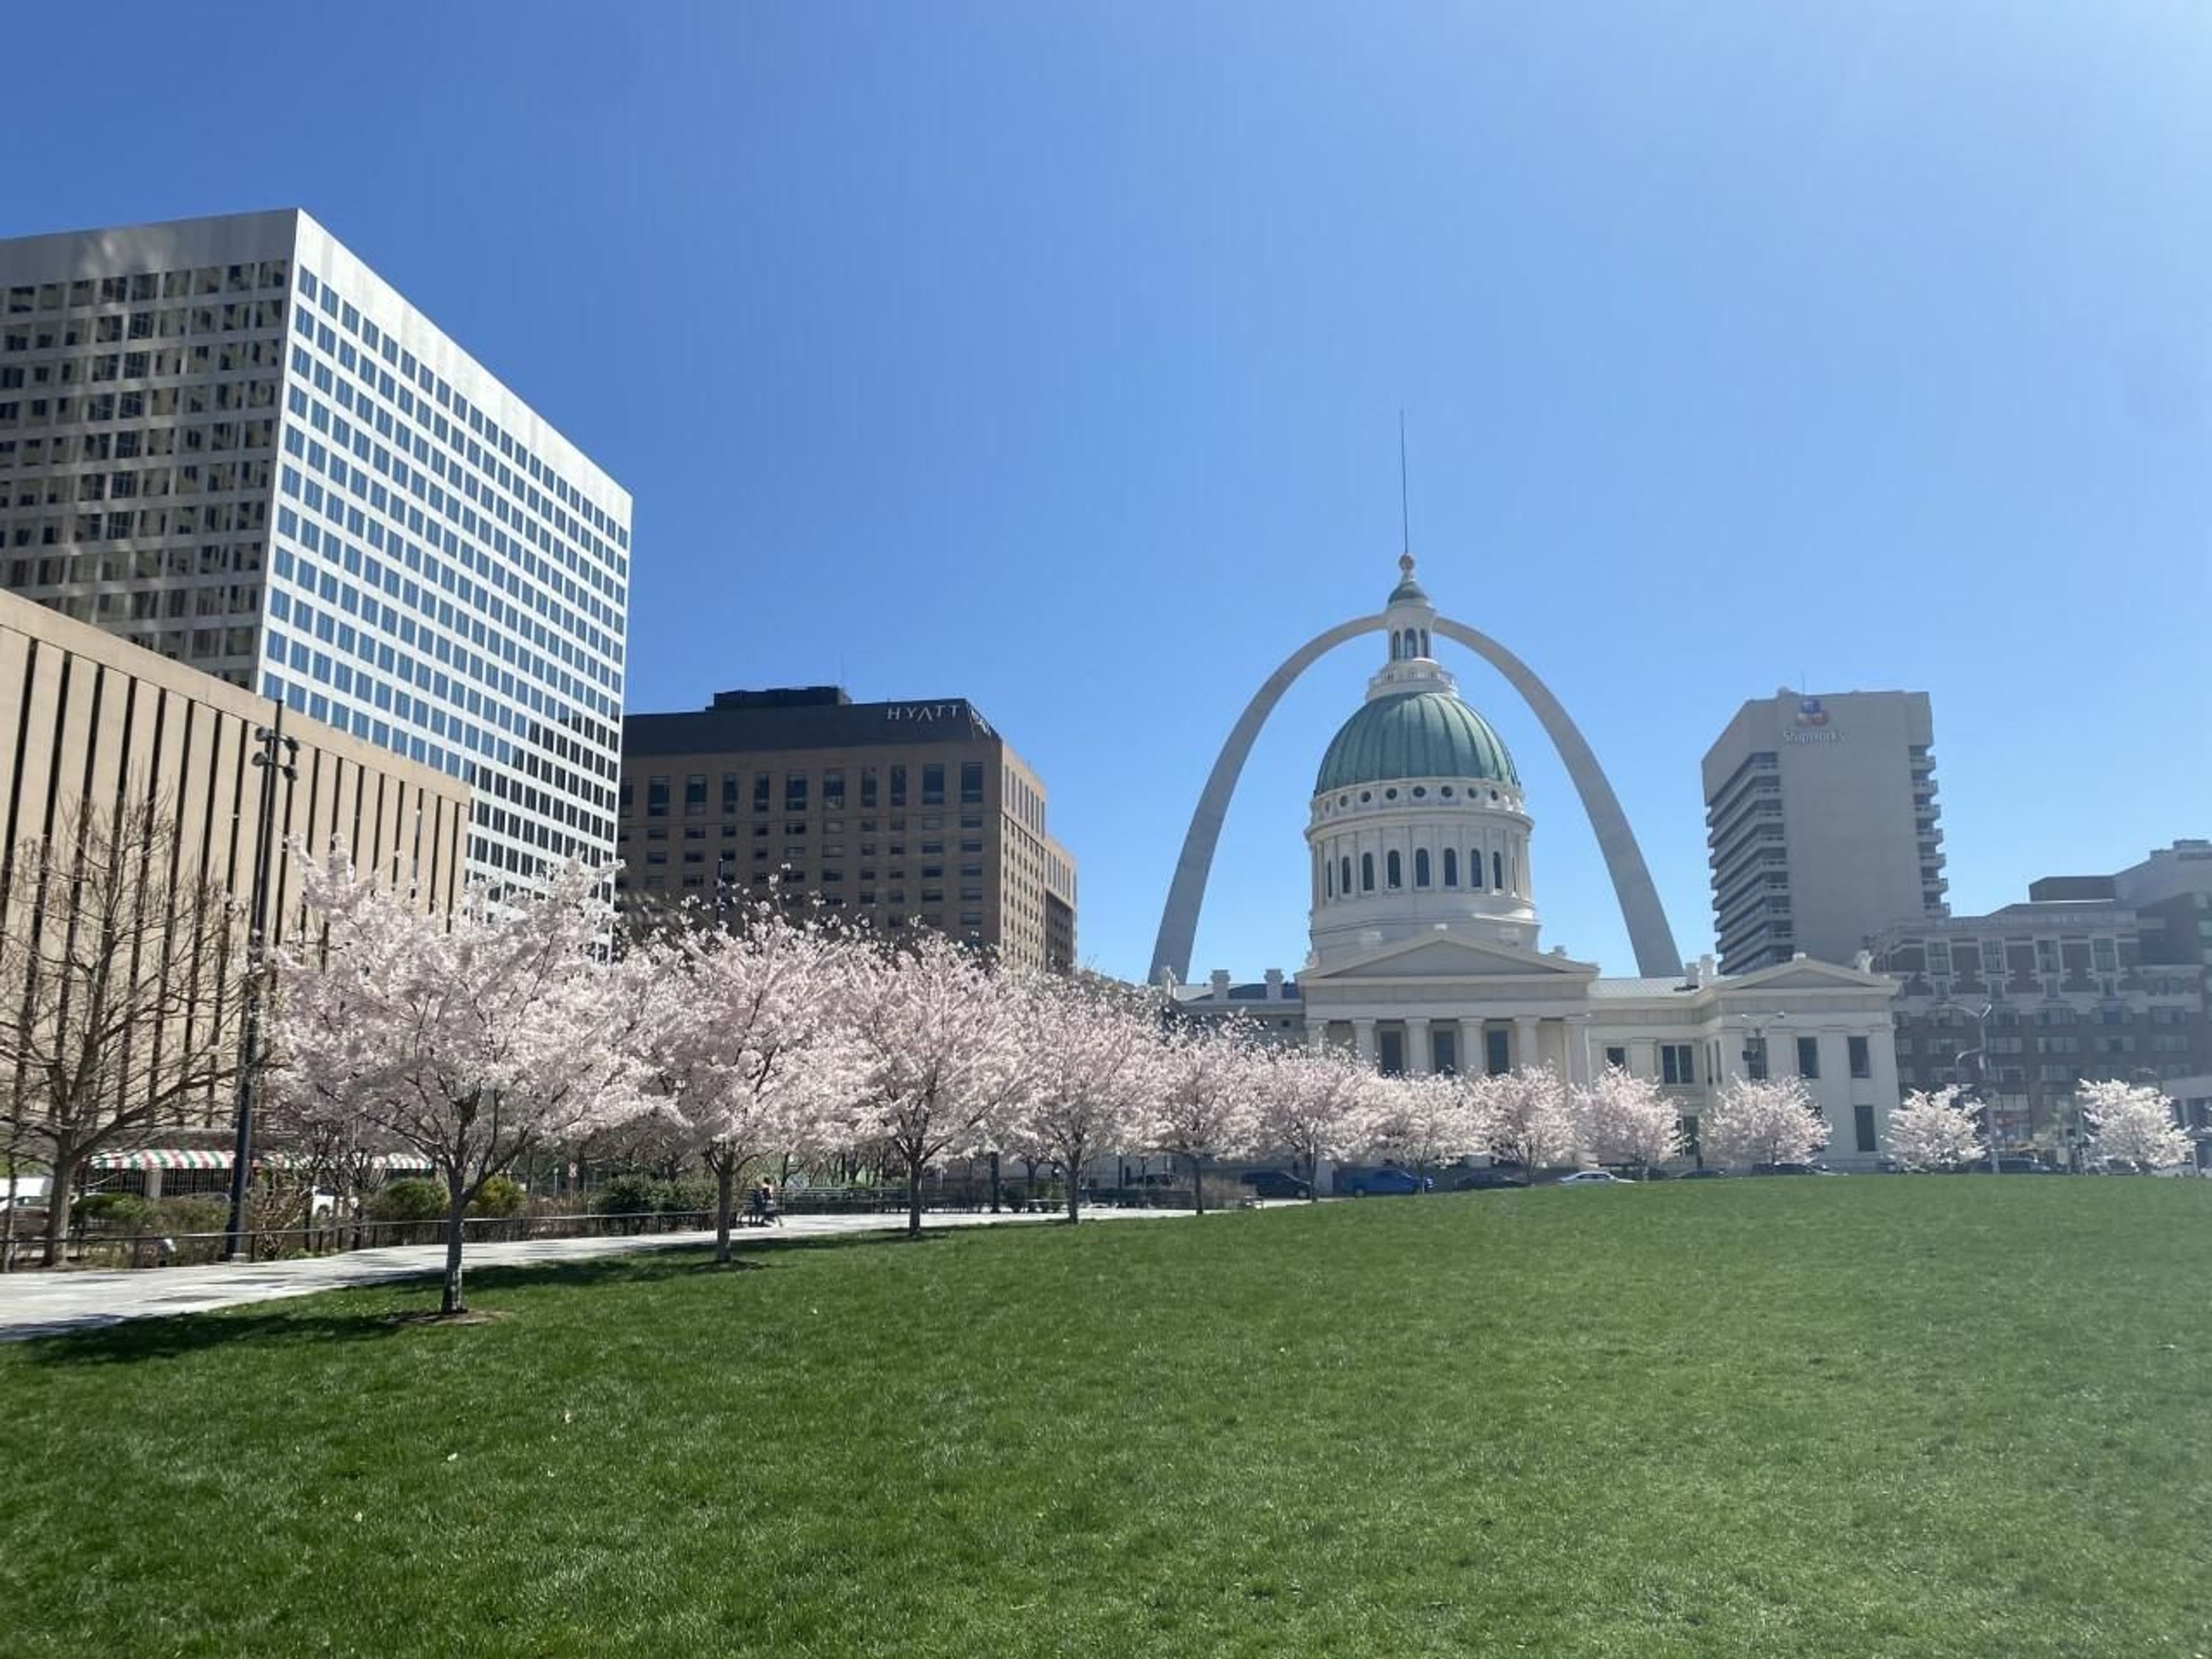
point(97, 1340)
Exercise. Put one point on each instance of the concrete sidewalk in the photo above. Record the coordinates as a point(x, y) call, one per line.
point(34, 1303)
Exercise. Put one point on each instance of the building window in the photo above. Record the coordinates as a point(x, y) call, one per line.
point(1993, 962)
point(932, 786)
point(1444, 1052)
point(794, 791)
point(1367, 872)
point(1420, 866)
point(833, 790)
point(898, 785)
point(1677, 1064)
point(695, 795)
point(1393, 870)
point(971, 783)
point(1390, 1052)
point(1496, 1052)
point(1327, 879)
point(1862, 1121)
point(1809, 1057)
point(1451, 866)
point(1344, 876)
point(1939, 957)
point(1616, 1057)
point(656, 798)
point(729, 794)
point(1754, 1059)
point(2105, 956)
point(1474, 868)
point(1497, 872)
point(1862, 1056)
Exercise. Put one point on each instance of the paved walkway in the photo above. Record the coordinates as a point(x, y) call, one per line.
point(33, 1303)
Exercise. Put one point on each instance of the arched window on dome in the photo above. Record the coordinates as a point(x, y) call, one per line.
point(1497, 871)
point(1420, 866)
point(1451, 866)
point(1343, 875)
point(1396, 870)
point(1474, 868)
point(1424, 642)
point(1367, 872)
point(1328, 877)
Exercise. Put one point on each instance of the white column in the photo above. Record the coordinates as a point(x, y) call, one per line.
point(1473, 1056)
point(1363, 1039)
point(1526, 1053)
point(1419, 1060)
point(1578, 1049)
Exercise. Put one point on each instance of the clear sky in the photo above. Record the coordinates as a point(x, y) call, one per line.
point(1050, 355)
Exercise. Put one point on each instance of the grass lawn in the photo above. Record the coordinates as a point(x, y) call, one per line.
point(1862, 1416)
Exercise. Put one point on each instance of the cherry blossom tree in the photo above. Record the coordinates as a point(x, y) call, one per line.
point(747, 1044)
point(1208, 1108)
point(122, 985)
point(1424, 1122)
point(1313, 1105)
point(2133, 1122)
point(1625, 1119)
point(1756, 1121)
point(472, 1038)
point(1528, 1119)
point(1091, 1075)
point(1935, 1129)
point(939, 1055)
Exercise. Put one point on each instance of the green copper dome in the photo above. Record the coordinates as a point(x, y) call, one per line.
point(1419, 734)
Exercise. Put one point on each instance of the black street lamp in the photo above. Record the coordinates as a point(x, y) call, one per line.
point(1979, 1055)
point(274, 755)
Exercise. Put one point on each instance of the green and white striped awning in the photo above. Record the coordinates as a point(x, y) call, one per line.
point(161, 1158)
point(191, 1158)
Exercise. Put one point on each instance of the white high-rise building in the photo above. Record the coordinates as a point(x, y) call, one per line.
point(1822, 825)
point(230, 440)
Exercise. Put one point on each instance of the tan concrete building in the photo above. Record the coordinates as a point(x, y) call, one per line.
point(85, 716)
point(897, 814)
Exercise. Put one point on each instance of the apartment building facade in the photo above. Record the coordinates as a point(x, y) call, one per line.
point(230, 441)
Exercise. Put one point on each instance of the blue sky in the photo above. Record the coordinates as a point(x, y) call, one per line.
point(1051, 355)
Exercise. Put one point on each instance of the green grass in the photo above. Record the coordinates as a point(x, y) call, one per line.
point(1796, 1418)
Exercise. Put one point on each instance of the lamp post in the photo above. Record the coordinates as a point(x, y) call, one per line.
point(273, 756)
point(1754, 1044)
point(1979, 1055)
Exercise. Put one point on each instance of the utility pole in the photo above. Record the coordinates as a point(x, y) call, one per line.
point(273, 756)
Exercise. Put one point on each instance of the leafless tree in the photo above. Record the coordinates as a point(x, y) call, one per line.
point(122, 979)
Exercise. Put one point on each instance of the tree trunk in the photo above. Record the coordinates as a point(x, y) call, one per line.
point(1074, 1199)
point(1197, 1185)
point(453, 1303)
point(914, 1201)
point(725, 1197)
point(61, 1192)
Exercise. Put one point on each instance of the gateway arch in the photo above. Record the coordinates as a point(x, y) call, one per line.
point(1649, 934)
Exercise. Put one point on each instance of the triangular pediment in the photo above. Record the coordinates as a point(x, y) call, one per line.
point(1805, 975)
point(1450, 958)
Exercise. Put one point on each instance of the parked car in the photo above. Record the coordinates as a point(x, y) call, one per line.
point(1486, 1180)
point(1701, 1175)
point(1790, 1168)
point(1277, 1183)
point(1389, 1181)
point(1593, 1178)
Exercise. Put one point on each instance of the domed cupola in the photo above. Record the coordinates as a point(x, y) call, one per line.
point(1418, 823)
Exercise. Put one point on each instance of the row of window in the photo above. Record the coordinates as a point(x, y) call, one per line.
point(797, 785)
point(1336, 876)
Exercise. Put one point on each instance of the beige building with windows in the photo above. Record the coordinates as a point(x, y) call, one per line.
point(897, 814)
point(86, 717)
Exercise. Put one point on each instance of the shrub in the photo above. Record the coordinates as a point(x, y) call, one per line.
point(412, 1199)
point(628, 1194)
point(196, 1213)
point(499, 1197)
point(124, 1212)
